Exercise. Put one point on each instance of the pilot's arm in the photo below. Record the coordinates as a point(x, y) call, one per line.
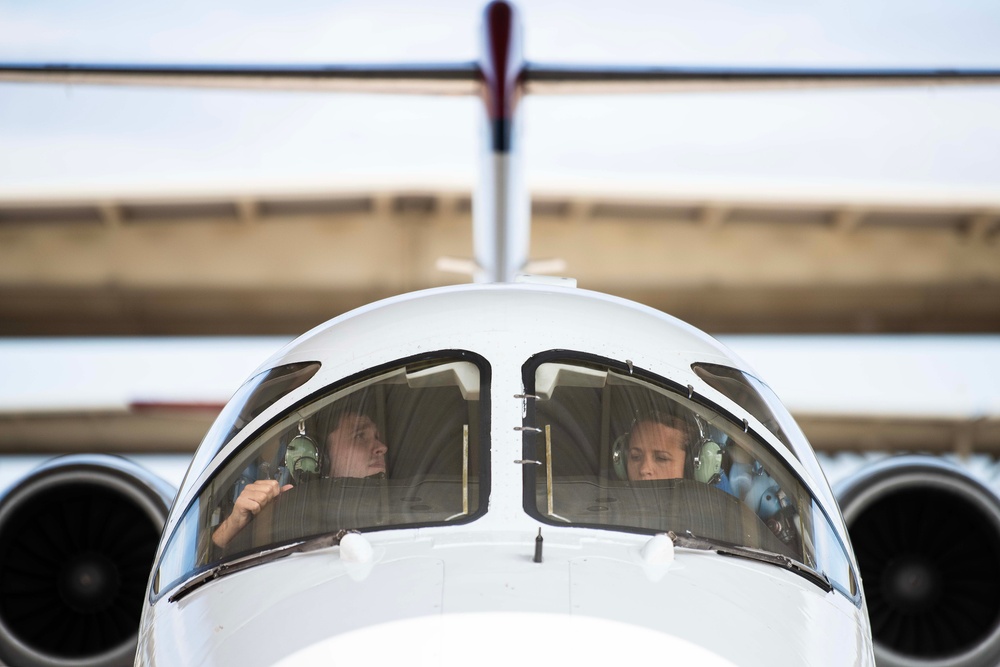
point(250, 502)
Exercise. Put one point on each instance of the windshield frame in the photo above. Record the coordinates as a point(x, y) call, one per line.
point(530, 446)
point(230, 422)
point(251, 432)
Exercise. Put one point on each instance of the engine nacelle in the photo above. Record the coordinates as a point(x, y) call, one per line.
point(77, 542)
point(927, 540)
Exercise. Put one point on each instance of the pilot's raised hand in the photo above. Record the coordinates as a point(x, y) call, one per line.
point(250, 502)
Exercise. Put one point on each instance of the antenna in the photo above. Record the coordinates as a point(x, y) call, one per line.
point(501, 206)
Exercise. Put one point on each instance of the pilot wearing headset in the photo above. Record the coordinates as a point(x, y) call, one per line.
point(666, 446)
point(657, 447)
point(354, 448)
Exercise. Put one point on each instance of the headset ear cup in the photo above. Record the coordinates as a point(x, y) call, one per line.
point(619, 457)
point(302, 456)
point(708, 462)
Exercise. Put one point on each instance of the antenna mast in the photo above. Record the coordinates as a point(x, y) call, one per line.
point(501, 205)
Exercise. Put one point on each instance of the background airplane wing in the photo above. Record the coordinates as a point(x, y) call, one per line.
point(439, 79)
point(463, 78)
point(558, 79)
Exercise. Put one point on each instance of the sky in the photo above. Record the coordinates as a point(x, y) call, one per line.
point(63, 138)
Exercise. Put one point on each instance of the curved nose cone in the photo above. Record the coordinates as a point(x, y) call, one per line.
point(504, 639)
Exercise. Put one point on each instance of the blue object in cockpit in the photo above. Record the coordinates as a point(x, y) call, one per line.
point(763, 497)
point(247, 477)
point(723, 483)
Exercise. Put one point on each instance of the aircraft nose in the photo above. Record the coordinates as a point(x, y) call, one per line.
point(449, 640)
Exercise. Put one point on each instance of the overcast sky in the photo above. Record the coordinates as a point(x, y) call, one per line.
point(68, 138)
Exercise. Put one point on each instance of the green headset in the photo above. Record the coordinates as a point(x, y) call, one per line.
point(708, 455)
point(619, 455)
point(302, 456)
point(704, 466)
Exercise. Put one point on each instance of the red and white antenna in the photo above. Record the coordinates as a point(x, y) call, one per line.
point(501, 205)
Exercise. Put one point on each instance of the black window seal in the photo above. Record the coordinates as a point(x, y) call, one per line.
point(485, 474)
point(529, 448)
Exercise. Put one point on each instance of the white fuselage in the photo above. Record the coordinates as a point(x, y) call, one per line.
point(472, 592)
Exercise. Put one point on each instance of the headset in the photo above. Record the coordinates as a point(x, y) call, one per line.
point(702, 461)
point(708, 456)
point(619, 454)
point(301, 458)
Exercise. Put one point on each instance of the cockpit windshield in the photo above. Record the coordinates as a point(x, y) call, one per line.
point(750, 393)
point(256, 395)
point(619, 448)
point(403, 446)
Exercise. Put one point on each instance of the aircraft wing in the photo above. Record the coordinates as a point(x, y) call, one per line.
point(463, 78)
point(439, 79)
point(560, 79)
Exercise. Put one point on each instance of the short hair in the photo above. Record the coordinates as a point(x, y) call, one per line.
point(669, 420)
point(360, 403)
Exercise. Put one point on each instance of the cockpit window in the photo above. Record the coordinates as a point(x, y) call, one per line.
point(256, 395)
point(620, 448)
point(746, 391)
point(404, 446)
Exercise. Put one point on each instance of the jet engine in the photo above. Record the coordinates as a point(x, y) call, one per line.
point(927, 540)
point(77, 542)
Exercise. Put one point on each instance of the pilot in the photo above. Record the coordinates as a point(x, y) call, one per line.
point(354, 448)
point(658, 448)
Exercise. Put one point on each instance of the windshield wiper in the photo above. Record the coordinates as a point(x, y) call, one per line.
point(253, 560)
point(692, 541)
